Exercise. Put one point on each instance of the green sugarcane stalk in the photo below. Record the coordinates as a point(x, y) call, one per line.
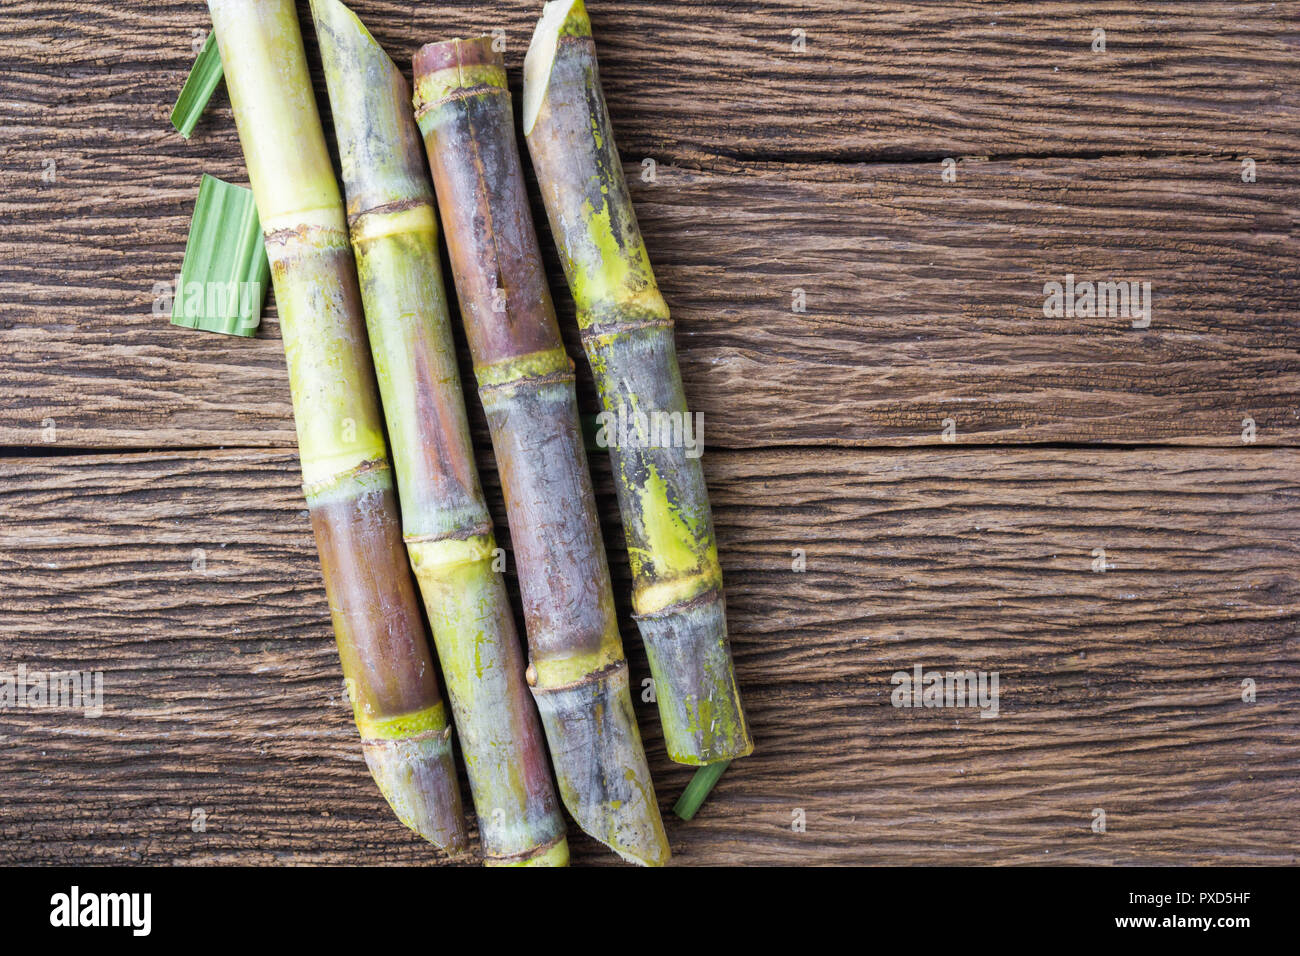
point(347, 481)
point(445, 520)
point(628, 337)
point(577, 671)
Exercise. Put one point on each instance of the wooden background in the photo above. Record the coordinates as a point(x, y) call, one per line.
point(126, 444)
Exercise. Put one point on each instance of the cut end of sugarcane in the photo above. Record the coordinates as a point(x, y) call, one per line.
point(379, 146)
point(334, 23)
point(418, 779)
point(600, 765)
point(340, 32)
point(559, 18)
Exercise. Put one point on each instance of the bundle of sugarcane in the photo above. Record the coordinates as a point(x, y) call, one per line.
point(577, 671)
point(446, 523)
point(628, 338)
point(346, 477)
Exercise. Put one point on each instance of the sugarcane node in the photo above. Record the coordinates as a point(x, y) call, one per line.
point(533, 856)
point(455, 534)
point(706, 597)
point(493, 393)
point(594, 677)
point(301, 234)
point(396, 206)
point(455, 70)
point(443, 734)
point(371, 466)
point(594, 331)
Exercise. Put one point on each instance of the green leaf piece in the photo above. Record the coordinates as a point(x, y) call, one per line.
point(204, 76)
point(223, 279)
point(688, 804)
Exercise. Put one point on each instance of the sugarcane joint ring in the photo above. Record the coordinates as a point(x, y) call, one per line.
point(456, 68)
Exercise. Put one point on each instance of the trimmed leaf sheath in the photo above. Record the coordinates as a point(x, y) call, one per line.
point(447, 526)
point(628, 338)
point(577, 671)
point(346, 477)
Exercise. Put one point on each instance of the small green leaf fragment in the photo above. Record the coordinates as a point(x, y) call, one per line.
point(204, 76)
point(223, 280)
point(698, 789)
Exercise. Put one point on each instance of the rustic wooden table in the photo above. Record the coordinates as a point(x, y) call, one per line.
point(1107, 516)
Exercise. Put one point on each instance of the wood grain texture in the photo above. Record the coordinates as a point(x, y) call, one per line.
point(1121, 690)
point(692, 81)
point(924, 298)
point(924, 302)
point(775, 170)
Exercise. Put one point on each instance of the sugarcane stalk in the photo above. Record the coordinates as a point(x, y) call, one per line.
point(347, 481)
point(445, 520)
point(627, 334)
point(577, 672)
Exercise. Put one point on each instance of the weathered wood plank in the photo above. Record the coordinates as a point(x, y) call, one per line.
point(1120, 690)
point(924, 298)
point(692, 81)
point(924, 302)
